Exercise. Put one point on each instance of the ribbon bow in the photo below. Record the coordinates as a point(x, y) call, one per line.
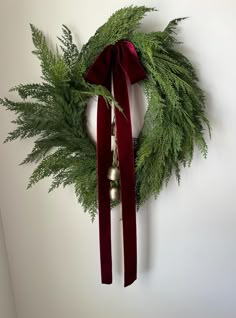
point(121, 61)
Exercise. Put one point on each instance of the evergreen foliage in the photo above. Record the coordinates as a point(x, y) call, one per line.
point(55, 110)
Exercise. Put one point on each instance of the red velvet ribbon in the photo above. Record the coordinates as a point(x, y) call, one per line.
point(121, 61)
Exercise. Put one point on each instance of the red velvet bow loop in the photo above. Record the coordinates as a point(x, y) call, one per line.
point(122, 53)
point(121, 62)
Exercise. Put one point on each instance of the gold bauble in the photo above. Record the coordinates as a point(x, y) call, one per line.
point(113, 174)
point(114, 194)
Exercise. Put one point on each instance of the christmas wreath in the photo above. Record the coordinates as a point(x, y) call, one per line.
point(55, 110)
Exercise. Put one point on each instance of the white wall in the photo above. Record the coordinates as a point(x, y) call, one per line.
point(186, 239)
point(7, 308)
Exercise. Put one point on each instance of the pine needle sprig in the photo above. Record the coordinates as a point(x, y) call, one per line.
point(121, 25)
point(69, 49)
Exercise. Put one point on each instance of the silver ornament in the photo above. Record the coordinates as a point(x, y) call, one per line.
point(114, 194)
point(113, 174)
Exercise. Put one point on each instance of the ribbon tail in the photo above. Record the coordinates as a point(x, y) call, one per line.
point(127, 175)
point(99, 73)
point(103, 163)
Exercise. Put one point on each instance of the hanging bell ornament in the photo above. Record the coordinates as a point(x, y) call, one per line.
point(114, 194)
point(113, 174)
